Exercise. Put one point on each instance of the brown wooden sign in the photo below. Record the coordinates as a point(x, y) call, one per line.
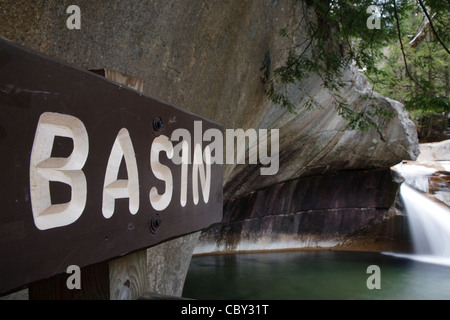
point(91, 170)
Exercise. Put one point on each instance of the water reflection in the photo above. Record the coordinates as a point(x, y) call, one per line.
point(313, 275)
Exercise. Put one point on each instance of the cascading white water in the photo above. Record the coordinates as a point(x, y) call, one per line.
point(429, 225)
point(416, 176)
point(429, 221)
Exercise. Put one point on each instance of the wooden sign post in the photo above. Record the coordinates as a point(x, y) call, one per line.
point(91, 170)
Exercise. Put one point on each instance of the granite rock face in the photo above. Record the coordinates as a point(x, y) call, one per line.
point(206, 57)
point(342, 209)
point(437, 151)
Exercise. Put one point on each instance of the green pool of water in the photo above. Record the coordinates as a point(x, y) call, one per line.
point(314, 275)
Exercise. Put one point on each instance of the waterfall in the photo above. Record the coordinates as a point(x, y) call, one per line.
point(415, 175)
point(429, 221)
point(429, 224)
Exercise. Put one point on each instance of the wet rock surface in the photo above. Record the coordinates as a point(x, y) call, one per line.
point(345, 210)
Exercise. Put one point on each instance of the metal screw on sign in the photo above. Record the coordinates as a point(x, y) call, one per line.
point(155, 223)
point(157, 123)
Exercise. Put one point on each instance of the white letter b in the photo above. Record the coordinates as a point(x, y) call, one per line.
point(44, 168)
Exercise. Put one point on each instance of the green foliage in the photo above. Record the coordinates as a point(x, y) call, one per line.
point(417, 73)
point(337, 35)
point(427, 103)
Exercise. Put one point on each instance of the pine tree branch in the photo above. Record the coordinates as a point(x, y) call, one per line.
point(397, 20)
point(431, 25)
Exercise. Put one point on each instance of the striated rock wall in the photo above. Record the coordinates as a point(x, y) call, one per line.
point(316, 142)
point(346, 209)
